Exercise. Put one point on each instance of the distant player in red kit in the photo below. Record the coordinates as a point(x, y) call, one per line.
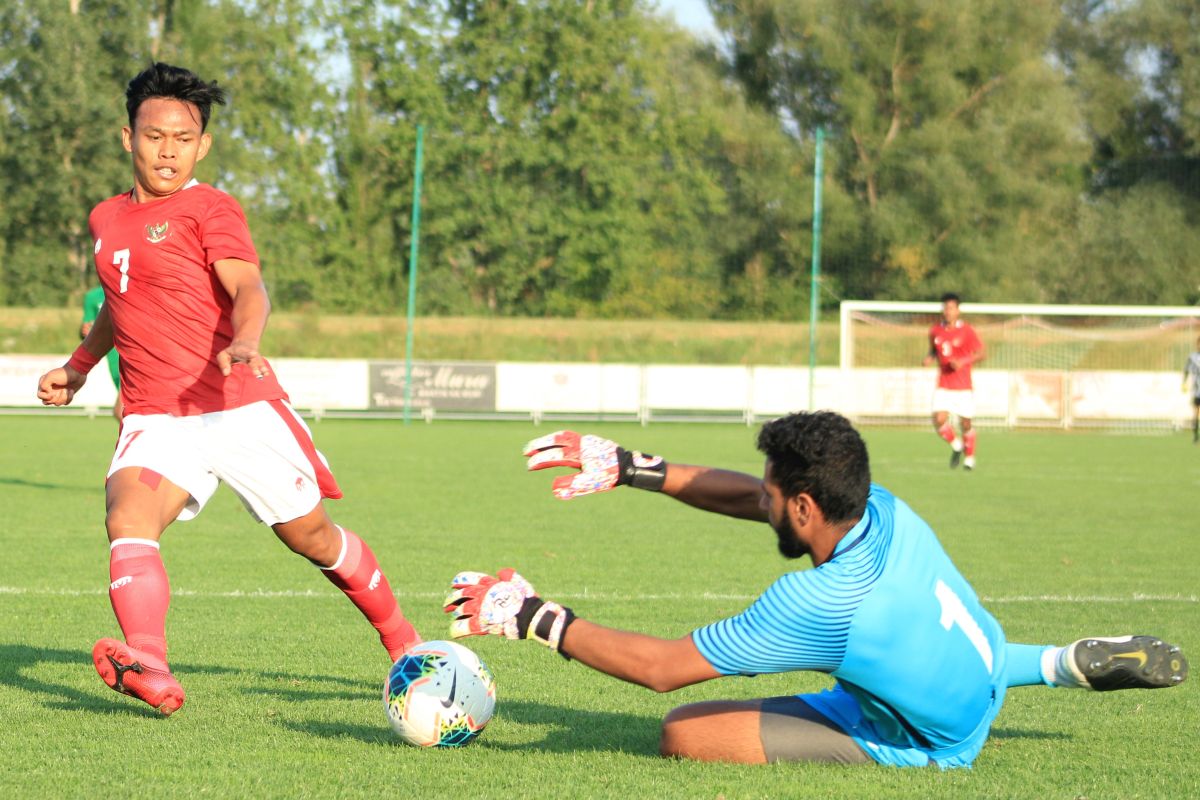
point(954, 345)
point(186, 306)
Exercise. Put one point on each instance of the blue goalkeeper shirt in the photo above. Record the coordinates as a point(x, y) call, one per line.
point(891, 619)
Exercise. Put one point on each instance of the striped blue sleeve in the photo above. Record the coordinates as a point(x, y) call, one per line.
point(800, 622)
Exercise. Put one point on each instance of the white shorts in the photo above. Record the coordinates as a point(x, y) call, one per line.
point(264, 451)
point(960, 402)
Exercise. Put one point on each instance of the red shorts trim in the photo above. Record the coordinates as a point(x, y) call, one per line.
point(325, 480)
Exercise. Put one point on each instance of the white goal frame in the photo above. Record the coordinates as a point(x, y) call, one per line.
point(1126, 397)
point(848, 307)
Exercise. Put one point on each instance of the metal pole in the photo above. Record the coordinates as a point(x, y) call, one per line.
point(412, 273)
point(814, 290)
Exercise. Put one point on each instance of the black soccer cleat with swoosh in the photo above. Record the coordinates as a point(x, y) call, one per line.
point(1128, 662)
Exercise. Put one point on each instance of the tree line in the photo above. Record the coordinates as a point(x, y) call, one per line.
point(586, 158)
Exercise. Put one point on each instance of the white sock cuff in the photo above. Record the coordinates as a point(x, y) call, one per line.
point(342, 555)
point(115, 543)
point(1050, 665)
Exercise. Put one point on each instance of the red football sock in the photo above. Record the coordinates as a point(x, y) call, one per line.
point(357, 573)
point(140, 594)
point(946, 432)
point(969, 442)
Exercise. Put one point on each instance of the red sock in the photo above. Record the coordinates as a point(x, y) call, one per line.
point(969, 442)
point(140, 594)
point(357, 574)
point(946, 432)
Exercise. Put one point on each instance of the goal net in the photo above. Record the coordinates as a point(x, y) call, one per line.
point(1056, 365)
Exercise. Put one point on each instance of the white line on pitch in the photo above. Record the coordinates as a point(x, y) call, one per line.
point(293, 593)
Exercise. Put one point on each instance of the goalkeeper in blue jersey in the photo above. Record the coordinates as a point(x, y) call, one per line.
point(921, 667)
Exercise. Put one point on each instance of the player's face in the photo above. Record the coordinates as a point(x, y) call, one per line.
point(950, 311)
point(776, 506)
point(166, 143)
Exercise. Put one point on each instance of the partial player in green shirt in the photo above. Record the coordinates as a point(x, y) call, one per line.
point(92, 301)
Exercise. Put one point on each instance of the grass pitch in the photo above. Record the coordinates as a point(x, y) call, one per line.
point(1062, 535)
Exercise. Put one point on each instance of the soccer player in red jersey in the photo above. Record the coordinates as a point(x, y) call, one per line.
point(186, 307)
point(955, 346)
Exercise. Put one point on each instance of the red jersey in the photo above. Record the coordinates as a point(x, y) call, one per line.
point(957, 341)
point(170, 313)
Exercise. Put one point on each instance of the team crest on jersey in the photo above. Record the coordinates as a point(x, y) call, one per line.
point(156, 233)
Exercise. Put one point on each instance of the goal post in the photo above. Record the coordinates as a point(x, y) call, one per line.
point(1048, 365)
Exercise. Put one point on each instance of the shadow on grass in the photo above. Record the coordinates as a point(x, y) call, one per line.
point(6, 480)
point(18, 663)
point(563, 730)
point(1025, 733)
point(568, 730)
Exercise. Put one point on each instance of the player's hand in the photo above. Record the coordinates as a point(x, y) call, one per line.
point(241, 351)
point(58, 386)
point(504, 605)
point(602, 464)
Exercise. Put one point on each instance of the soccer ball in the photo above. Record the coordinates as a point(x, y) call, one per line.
point(439, 694)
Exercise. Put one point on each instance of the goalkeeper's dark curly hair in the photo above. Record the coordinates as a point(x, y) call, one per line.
point(819, 453)
point(174, 83)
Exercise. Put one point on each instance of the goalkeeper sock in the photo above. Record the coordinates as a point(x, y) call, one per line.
point(357, 573)
point(1058, 669)
point(1026, 664)
point(140, 594)
point(946, 431)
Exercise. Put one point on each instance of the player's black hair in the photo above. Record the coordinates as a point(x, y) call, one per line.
point(176, 83)
point(819, 453)
point(948, 296)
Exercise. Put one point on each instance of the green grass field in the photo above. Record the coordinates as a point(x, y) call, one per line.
point(1062, 535)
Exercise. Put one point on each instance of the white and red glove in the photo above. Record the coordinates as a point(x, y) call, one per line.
point(602, 464)
point(505, 605)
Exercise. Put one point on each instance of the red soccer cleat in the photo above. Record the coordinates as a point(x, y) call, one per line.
point(138, 674)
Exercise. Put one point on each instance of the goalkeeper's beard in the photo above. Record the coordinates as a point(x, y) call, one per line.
point(789, 545)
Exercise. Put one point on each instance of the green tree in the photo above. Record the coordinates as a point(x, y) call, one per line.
point(60, 105)
point(950, 128)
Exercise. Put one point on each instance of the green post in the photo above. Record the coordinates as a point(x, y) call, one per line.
point(815, 289)
point(412, 274)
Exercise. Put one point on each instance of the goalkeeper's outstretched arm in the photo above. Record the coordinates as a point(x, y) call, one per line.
point(507, 605)
point(602, 465)
point(659, 664)
point(722, 491)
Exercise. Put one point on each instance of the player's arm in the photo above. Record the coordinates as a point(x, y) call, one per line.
point(931, 356)
point(507, 605)
point(722, 491)
point(243, 282)
point(980, 352)
point(603, 465)
point(58, 386)
point(663, 665)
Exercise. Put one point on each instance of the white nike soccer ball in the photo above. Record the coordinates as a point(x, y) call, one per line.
point(439, 694)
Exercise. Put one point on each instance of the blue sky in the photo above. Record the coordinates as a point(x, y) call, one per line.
point(690, 14)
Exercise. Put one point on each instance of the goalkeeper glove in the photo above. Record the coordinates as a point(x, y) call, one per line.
point(505, 605)
point(602, 464)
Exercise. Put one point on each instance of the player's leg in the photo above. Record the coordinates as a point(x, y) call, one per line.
point(349, 564)
point(1099, 663)
point(757, 732)
point(141, 504)
point(1196, 419)
point(265, 453)
point(968, 442)
point(944, 426)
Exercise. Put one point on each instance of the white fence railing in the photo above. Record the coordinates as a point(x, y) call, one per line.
point(669, 392)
